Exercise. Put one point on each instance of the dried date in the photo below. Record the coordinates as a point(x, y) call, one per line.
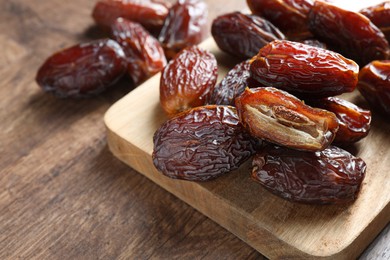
point(380, 16)
point(304, 70)
point(350, 33)
point(201, 144)
point(290, 16)
point(184, 26)
point(230, 29)
point(150, 13)
point(354, 121)
point(144, 54)
point(188, 80)
point(327, 177)
point(82, 70)
point(374, 85)
point(232, 85)
point(280, 118)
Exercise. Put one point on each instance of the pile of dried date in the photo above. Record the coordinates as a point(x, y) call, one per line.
point(89, 68)
point(278, 105)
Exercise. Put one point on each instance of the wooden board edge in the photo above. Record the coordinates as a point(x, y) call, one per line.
point(255, 235)
point(258, 237)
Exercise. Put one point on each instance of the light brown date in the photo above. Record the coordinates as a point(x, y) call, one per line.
point(188, 80)
point(304, 70)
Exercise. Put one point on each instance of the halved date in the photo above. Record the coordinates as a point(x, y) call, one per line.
point(354, 121)
point(380, 16)
point(280, 118)
point(230, 29)
point(304, 70)
point(83, 69)
point(150, 13)
point(374, 85)
point(327, 177)
point(144, 54)
point(290, 16)
point(188, 80)
point(232, 85)
point(185, 25)
point(350, 33)
point(202, 143)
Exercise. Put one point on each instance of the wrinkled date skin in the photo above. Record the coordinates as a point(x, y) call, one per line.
point(278, 117)
point(144, 54)
point(150, 13)
point(350, 33)
point(304, 70)
point(380, 16)
point(354, 121)
point(202, 143)
point(232, 85)
point(328, 177)
point(185, 25)
point(374, 85)
point(229, 30)
point(290, 16)
point(82, 70)
point(188, 80)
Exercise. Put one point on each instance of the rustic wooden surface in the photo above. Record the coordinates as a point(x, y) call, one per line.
point(275, 227)
point(62, 193)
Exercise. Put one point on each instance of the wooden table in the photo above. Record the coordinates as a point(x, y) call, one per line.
point(63, 195)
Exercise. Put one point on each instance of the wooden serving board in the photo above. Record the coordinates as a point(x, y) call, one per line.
point(275, 227)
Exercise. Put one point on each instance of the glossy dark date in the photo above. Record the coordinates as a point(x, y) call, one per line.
point(242, 35)
point(327, 177)
point(380, 16)
point(350, 33)
point(290, 16)
point(374, 85)
point(185, 25)
point(232, 85)
point(304, 70)
point(144, 54)
point(354, 121)
point(201, 144)
point(150, 13)
point(82, 70)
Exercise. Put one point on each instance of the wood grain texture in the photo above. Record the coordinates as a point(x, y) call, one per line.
point(63, 195)
point(275, 227)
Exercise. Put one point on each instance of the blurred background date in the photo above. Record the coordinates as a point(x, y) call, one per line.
point(374, 85)
point(82, 70)
point(133, 24)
